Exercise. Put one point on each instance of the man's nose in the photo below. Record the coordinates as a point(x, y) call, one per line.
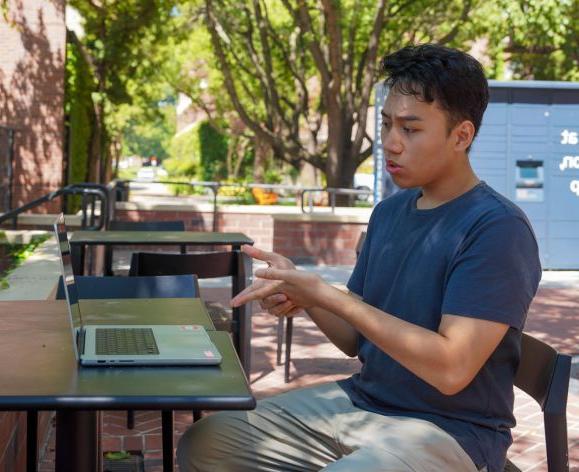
point(391, 142)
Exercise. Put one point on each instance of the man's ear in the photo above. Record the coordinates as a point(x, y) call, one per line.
point(462, 135)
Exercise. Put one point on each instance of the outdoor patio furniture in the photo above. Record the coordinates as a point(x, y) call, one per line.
point(170, 286)
point(80, 240)
point(93, 287)
point(234, 264)
point(544, 374)
point(289, 327)
point(118, 225)
point(35, 337)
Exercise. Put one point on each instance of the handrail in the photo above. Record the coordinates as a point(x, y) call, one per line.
point(332, 192)
point(300, 192)
point(83, 189)
point(9, 165)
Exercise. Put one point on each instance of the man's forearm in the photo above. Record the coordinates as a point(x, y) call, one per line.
point(336, 329)
point(426, 353)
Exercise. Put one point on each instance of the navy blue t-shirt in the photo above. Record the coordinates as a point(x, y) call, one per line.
point(475, 256)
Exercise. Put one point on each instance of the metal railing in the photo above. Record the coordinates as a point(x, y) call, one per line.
point(90, 193)
point(304, 195)
point(6, 166)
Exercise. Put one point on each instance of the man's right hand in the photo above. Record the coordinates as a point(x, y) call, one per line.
point(276, 304)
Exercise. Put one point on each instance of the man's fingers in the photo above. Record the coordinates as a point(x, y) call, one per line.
point(254, 286)
point(282, 308)
point(274, 300)
point(272, 273)
point(271, 258)
point(260, 254)
point(256, 294)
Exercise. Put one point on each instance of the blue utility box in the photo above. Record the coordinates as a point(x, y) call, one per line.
point(528, 150)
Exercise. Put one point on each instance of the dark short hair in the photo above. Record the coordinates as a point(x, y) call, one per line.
point(452, 78)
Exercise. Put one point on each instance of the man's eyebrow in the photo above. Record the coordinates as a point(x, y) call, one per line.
point(402, 117)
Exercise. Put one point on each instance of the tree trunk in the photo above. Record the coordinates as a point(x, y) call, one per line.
point(260, 160)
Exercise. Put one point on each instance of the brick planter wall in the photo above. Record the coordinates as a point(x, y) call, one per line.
point(311, 239)
point(317, 242)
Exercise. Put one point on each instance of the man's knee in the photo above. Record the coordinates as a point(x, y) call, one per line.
point(207, 442)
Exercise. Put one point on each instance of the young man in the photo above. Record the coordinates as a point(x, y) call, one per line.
point(437, 302)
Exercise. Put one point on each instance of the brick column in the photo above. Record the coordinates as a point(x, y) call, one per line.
point(33, 46)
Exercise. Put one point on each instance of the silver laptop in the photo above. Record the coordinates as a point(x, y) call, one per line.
point(121, 345)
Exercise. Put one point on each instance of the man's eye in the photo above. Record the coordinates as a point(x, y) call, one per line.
point(385, 124)
point(408, 130)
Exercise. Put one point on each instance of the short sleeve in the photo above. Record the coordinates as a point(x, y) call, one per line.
point(356, 281)
point(495, 273)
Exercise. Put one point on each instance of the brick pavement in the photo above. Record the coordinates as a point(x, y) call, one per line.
point(554, 317)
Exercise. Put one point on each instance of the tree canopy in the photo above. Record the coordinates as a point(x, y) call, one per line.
point(300, 74)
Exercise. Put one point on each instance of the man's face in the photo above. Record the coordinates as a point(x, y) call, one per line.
point(417, 146)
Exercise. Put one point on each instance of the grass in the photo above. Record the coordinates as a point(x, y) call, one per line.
point(17, 254)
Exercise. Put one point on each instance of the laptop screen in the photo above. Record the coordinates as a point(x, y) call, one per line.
point(70, 289)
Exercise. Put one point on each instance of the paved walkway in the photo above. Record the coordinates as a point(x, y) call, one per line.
point(554, 317)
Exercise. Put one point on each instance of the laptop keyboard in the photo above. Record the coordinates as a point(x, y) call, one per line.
point(125, 341)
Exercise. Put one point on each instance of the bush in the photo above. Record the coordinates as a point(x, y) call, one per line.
point(213, 152)
point(184, 152)
point(199, 153)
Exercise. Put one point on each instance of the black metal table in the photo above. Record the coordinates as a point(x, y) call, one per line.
point(39, 372)
point(80, 240)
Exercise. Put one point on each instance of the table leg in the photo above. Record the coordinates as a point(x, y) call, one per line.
point(167, 434)
point(242, 314)
point(77, 441)
point(77, 252)
point(31, 440)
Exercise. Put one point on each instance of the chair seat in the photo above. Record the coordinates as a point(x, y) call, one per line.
point(510, 467)
point(220, 316)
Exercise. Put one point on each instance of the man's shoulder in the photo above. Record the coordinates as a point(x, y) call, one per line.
point(396, 200)
point(490, 206)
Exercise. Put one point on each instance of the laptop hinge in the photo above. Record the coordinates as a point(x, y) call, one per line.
point(80, 339)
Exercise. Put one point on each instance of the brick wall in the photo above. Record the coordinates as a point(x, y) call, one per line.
point(32, 93)
point(323, 239)
point(317, 242)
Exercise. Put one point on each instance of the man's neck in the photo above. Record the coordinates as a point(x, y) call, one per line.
point(433, 197)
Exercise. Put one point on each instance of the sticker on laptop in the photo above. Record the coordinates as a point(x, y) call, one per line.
point(190, 327)
point(209, 354)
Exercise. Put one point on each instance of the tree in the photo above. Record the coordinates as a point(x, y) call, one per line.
point(300, 73)
point(541, 38)
point(119, 43)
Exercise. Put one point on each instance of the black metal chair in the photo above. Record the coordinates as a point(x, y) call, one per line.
point(289, 327)
point(95, 287)
point(544, 374)
point(169, 286)
point(118, 225)
point(204, 265)
point(289, 323)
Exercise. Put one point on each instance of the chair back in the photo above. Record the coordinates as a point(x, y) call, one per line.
point(360, 243)
point(169, 286)
point(118, 225)
point(544, 374)
point(203, 265)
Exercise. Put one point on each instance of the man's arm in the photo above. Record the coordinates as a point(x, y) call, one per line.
point(447, 359)
point(338, 331)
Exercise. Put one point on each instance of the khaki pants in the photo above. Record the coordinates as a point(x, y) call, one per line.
point(317, 429)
